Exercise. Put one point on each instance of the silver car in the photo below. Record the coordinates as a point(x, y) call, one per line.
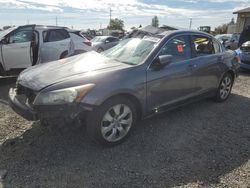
point(138, 78)
point(102, 43)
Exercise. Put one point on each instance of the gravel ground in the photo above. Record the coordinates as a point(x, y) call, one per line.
point(205, 144)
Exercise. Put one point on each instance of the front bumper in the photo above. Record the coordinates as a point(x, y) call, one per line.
point(65, 111)
point(20, 108)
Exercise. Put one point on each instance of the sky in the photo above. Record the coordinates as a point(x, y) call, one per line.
point(95, 14)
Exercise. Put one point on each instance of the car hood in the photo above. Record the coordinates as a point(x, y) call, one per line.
point(44, 75)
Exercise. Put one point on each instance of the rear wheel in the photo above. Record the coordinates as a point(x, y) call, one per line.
point(99, 50)
point(225, 88)
point(112, 122)
point(64, 55)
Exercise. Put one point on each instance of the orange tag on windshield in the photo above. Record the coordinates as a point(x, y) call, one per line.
point(180, 48)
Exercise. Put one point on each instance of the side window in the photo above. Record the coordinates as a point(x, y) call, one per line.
point(203, 45)
point(179, 48)
point(112, 39)
point(217, 48)
point(21, 35)
point(56, 35)
point(109, 39)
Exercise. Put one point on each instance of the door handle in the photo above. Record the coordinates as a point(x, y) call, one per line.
point(23, 47)
point(192, 66)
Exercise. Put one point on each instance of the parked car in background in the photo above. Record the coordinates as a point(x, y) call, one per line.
point(244, 49)
point(230, 41)
point(135, 79)
point(89, 34)
point(81, 43)
point(102, 43)
point(245, 55)
point(24, 46)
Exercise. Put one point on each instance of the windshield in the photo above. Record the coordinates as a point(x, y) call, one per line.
point(131, 51)
point(98, 39)
point(5, 32)
point(222, 38)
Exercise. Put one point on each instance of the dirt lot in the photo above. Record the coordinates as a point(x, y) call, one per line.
point(205, 144)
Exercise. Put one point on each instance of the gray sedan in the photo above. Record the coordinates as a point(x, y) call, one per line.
point(137, 78)
point(101, 43)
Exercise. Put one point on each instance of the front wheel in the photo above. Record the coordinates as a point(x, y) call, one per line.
point(111, 123)
point(225, 88)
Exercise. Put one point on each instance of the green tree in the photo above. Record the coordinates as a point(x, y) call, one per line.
point(116, 24)
point(222, 29)
point(155, 21)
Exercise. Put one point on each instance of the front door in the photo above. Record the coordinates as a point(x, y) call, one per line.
point(174, 82)
point(17, 52)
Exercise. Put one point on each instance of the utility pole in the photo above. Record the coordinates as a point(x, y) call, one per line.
point(190, 23)
point(56, 20)
point(110, 16)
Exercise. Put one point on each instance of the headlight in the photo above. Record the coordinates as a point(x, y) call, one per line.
point(62, 96)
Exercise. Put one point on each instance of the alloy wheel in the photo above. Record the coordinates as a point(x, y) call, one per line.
point(116, 123)
point(225, 87)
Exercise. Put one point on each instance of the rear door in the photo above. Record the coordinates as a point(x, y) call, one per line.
point(17, 52)
point(56, 43)
point(207, 64)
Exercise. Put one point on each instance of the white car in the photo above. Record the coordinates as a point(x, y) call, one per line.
point(24, 46)
point(81, 43)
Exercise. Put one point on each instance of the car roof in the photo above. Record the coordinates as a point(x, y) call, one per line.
point(105, 37)
point(183, 31)
point(42, 27)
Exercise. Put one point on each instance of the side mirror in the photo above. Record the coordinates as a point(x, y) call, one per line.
point(165, 59)
point(107, 41)
point(162, 61)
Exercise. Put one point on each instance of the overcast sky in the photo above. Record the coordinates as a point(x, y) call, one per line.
point(83, 14)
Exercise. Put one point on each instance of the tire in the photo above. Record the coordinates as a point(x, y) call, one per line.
point(224, 89)
point(104, 124)
point(99, 50)
point(2, 71)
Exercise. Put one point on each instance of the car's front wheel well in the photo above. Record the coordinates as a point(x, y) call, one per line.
point(133, 99)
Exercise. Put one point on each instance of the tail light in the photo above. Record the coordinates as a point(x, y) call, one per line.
point(87, 43)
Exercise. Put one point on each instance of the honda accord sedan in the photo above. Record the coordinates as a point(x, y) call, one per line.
point(139, 77)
